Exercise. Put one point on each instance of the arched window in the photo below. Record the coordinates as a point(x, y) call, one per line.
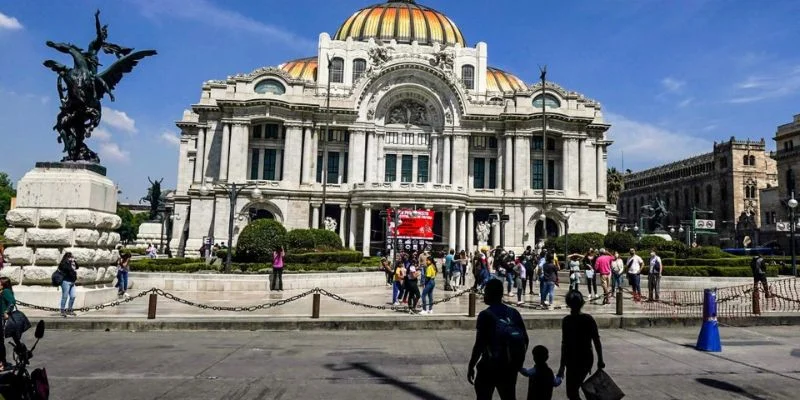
point(752, 160)
point(359, 66)
point(468, 76)
point(746, 160)
point(550, 101)
point(496, 100)
point(269, 86)
point(337, 70)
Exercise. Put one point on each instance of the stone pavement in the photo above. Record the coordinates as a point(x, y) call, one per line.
point(759, 363)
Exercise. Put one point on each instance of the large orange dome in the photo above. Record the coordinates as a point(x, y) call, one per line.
point(402, 20)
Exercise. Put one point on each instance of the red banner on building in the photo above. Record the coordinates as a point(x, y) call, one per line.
point(414, 224)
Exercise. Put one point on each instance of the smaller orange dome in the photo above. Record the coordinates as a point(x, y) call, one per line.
point(498, 80)
point(303, 69)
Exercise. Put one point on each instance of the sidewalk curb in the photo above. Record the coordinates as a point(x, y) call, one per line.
point(385, 323)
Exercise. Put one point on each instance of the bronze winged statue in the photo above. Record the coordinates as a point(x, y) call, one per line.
point(81, 88)
point(155, 197)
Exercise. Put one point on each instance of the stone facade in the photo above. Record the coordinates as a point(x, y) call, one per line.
point(726, 181)
point(60, 210)
point(411, 125)
point(787, 159)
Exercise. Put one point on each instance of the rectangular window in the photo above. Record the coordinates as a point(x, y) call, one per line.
point(551, 174)
point(492, 173)
point(422, 169)
point(359, 66)
point(269, 164)
point(537, 143)
point(407, 168)
point(283, 164)
point(492, 142)
point(478, 170)
point(254, 164)
point(271, 131)
point(551, 144)
point(537, 174)
point(345, 172)
point(257, 131)
point(319, 167)
point(391, 168)
point(333, 167)
point(479, 142)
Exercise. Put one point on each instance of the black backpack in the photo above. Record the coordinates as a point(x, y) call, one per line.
point(508, 347)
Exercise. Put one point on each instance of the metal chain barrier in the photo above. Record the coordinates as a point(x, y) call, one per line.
point(358, 303)
point(90, 308)
point(252, 308)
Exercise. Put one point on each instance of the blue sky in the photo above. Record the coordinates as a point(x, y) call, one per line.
point(672, 76)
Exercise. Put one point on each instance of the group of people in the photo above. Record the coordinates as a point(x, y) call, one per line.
point(413, 270)
point(501, 342)
point(611, 268)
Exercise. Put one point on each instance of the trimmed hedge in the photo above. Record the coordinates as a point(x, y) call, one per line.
point(707, 252)
point(300, 239)
point(729, 272)
point(325, 239)
point(324, 257)
point(619, 241)
point(577, 242)
point(650, 242)
point(676, 247)
point(137, 251)
point(259, 239)
point(145, 263)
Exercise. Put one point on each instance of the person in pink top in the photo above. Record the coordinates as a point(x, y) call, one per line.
point(603, 268)
point(276, 282)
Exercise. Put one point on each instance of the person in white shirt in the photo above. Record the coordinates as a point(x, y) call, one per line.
point(634, 275)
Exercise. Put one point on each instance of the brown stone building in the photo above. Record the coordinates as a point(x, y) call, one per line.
point(773, 201)
point(726, 181)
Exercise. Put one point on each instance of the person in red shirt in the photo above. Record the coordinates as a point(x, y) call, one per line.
point(603, 268)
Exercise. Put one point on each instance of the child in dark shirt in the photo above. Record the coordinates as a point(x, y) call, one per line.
point(541, 379)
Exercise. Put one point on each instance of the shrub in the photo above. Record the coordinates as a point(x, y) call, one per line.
point(259, 239)
point(707, 252)
point(325, 239)
point(325, 257)
point(650, 242)
point(577, 242)
point(619, 241)
point(675, 246)
point(300, 239)
point(730, 272)
point(147, 263)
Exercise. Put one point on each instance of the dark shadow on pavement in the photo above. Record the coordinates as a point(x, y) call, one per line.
point(409, 388)
point(728, 387)
point(796, 353)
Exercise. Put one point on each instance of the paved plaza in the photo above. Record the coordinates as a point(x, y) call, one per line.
point(658, 364)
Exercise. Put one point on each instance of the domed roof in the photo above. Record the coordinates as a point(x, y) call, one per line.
point(303, 69)
point(498, 80)
point(402, 20)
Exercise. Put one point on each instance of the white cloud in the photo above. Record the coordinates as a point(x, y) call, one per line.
point(112, 151)
point(211, 15)
point(686, 102)
point(9, 23)
point(119, 120)
point(645, 145)
point(101, 134)
point(672, 85)
point(170, 138)
point(780, 82)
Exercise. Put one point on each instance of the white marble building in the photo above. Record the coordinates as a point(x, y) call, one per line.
point(418, 119)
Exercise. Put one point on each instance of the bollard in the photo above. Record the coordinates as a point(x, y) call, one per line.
point(472, 299)
point(315, 306)
point(151, 307)
point(619, 301)
point(709, 334)
point(756, 301)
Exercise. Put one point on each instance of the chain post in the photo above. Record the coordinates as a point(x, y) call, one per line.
point(619, 300)
point(151, 307)
point(756, 301)
point(472, 300)
point(315, 306)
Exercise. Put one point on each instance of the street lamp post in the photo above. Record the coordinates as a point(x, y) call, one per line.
point(233, 190)
point(325, 147)
point(543, 77)
point(792, 203)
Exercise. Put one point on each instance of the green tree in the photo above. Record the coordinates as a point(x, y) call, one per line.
point(7, 192)
point(614, 185)
point(130, 224)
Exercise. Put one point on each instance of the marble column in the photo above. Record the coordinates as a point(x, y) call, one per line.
point(522, 164)
point(308, 156)
point(315, 138)
point(315, 216)
point(367, 229)
point(500, 167)
point(462, 231)
point(224, 151)
point(601, 171)
point(571, 168)
point(342, 222)
point(355, 160)
point(435, 160)
point(460, 174)
point(372, 165)
point(508, 174)
point(496, 234)
point(414, 170)
point(200, 155)
point(447, 157)
point(470, 230)
point(588, 169)
point(353, 227)
point(239, 161)
point(452, 231)
point(293, 146)
point(380, 157)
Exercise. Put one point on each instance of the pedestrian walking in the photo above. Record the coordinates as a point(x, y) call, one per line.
point(501, 342)
point(591, 276)
point(386, 267)
point(397, 288)
point(541, 379)
point(617, 268)
point(654, 277)
point(574, 266)
point(520, 274)
point(549, 281)
point(123, 268)
point(412, 288)
point(509, 264)
point(463, 262)
point(276, 283)
point(634, 275)
point(8, 303)
point(455, 271)
point(68, 268)
point(430, 284)
point(529, 261)
point(759, 274)
point(602, 267)
point(578, 333)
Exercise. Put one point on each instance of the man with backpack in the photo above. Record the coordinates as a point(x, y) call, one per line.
point(759, 274)
point(501, 342)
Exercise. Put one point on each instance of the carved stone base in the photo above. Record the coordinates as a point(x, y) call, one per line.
point(62, 207)
point(150, 233)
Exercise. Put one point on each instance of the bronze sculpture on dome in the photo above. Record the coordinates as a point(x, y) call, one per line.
point(81, 88)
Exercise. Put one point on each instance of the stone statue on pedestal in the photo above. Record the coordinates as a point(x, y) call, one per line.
point(482, 231)
point(330, 224)
point(155, 198)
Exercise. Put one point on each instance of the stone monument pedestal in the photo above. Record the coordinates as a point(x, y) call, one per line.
point(63, 207)
point(150, 233)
